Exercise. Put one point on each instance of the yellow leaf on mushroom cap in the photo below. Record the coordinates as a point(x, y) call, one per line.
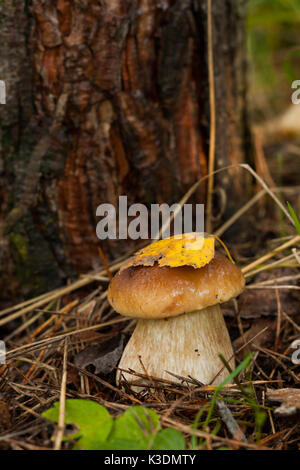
point(188, 249)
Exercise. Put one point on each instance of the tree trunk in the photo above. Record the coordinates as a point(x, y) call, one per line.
point(109, 98)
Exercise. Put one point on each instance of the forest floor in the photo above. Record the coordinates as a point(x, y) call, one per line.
point(66, 344)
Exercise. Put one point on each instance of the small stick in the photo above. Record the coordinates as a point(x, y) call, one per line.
point(297, 327)
point(269, 255)
point(230, 422)
point(212, 140)
point(278, 279)
point(106, 384)
point(48, 341)
point(149, 378)
point(259, 286)
point(105, 264)
point(278, 323)
point(240, 349)
point(62, 402)
point(272, 265)
point(53, 295)
point(27, 302)
point(65, 310)
point(188, 430)
point(273, 354)
point(296, 255)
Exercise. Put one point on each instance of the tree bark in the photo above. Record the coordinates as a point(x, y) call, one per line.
point(109, 98)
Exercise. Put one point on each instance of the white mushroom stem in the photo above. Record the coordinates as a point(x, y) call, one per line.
point(185, 345)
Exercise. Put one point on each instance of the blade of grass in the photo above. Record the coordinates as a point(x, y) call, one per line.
point(294, 217)
point(235, 379)
point(228, 379)
point(195, 427)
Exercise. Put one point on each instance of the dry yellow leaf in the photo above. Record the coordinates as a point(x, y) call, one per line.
point(192, 249)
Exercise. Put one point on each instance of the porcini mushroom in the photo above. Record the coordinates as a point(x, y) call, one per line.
point(180, 326)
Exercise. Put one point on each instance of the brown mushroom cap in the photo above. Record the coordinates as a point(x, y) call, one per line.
point(161, 292)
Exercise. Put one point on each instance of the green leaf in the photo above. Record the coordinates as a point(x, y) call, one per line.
point(121, 444)
point(137, 429)
point(93, 421)
point(137, 426)
point(294, 217)
point(169, 439)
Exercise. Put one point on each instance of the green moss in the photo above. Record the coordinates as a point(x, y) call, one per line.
point(36, 267)
point(20, 244)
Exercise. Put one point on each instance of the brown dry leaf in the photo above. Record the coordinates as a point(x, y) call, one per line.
point(193, 249)
point(255, 303)
point(289, 399)
point(103, 357)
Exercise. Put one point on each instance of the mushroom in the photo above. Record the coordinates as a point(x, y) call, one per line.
point(180, 326)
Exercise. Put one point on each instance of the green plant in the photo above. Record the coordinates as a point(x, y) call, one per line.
point(247, 393)
point(137, 429)
point(295, 217)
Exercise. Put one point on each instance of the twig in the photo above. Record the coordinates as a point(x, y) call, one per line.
point(46, 342)
point(296, 254)
point(272, 265)
point(105, 264)
point(54, 295)
point(230, 422)
point(197, 432)
point(248, 206)
point(259, 286)
point(278, 322)
point(273, 354)
point(240, 349)
point(212, 137)
point(297, 327)
point(62, 402)
point(278, 279)
point(269, 255)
